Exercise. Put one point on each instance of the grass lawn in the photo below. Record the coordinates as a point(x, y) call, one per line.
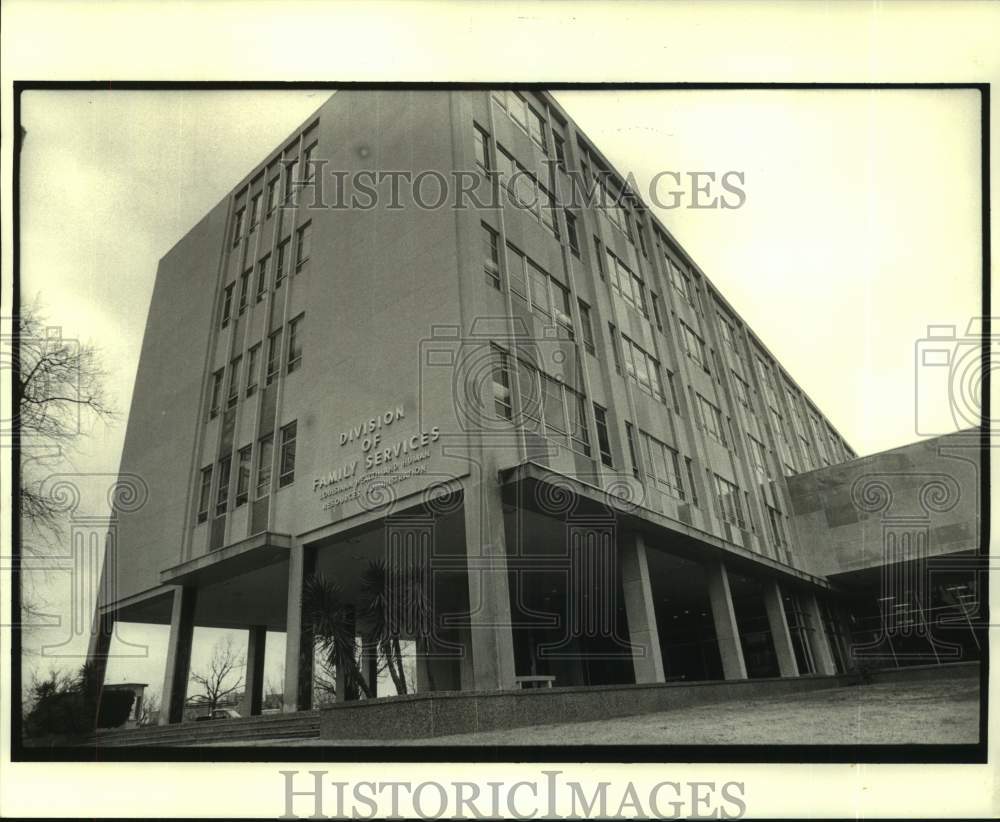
point(920, 712)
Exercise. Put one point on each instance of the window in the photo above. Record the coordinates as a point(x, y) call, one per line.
point(614, 348)
point(214, 406)
point(777, 526)
point(630, 436)
point(309, 167)
point(526, 192)
point(253, 369)
point(254, 212)
point(295, 343)
point(758, 456)
point(599, 255)
point(681, 282)
point(282, 270)
point(286, 457)
point(290, 166)
point(227, 304)
point(626, 283)
point(234, 382)
point(609, 204)
point(561, 309)
point(694, 346)
point(726, 331)
point(544, 295)
point(579, 433)
point(586, 327)
point(690, 473)
point(530, 122)
point(243, 476)
point(571, 233)
point(238, 218)
point(561, 410)
point(502, 402)
point(245, 289)
point(655, 300)
point(742, 390)
point(603, 443)
point(662, 465)
point(728, 498)
point(264, 449)
point(482, 147)
point(671, 386)
point(560, 145)
point(491, 256)
point(273, 357)
point(272, 194)
point(536, 129)
point(303, 246)
point(553, 412)
point(818, 437)
point(204, 493)
point(781, 437)
point(749, 510)
point(640, 230)
point(765, 377)
point(222, 497)
point(642, 368)
point(711, 419)
point(262, 277)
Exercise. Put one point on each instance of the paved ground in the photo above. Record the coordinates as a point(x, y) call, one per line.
point(936, 711)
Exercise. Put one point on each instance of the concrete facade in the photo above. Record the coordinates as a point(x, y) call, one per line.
point(552, 408)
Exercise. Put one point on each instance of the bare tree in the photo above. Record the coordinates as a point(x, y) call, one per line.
point(149, 709)
point(273, 693)
point(59, 386)
point(324, 682)
point(222, 676)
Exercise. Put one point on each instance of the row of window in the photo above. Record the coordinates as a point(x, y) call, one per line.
point(521, 112)
point(622, 278)
point(240, 302)
point(244, 463)
point(626, 282)
point(534, 286)
point(642, 368)
point(524, 188)
point(293, 361)
point(283, 187)
point(663, 467)
point(548, 405)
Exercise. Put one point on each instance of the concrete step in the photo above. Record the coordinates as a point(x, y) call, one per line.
point(303, 725)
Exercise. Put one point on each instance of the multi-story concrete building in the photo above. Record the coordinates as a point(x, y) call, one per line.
point(543, 401)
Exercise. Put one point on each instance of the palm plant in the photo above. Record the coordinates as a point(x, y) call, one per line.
point(333, 623)
point(395, 602)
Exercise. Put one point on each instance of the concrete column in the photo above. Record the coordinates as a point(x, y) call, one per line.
point(818, 639)
point(298, 634)
point(489, 589)
point(727, 632)
point(98, 649)
point(253, 691)
point(778, 623)
point(369, 666)
point(175, 679)
point(467, 677)
point(644, 635)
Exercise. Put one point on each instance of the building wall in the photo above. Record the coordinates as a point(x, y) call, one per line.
point(387, 292)
point(841, 514)
point(162, 422)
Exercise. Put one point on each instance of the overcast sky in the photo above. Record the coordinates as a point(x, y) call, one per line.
point(861, 226)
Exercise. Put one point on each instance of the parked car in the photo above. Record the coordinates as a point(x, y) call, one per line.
point(219, 713)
